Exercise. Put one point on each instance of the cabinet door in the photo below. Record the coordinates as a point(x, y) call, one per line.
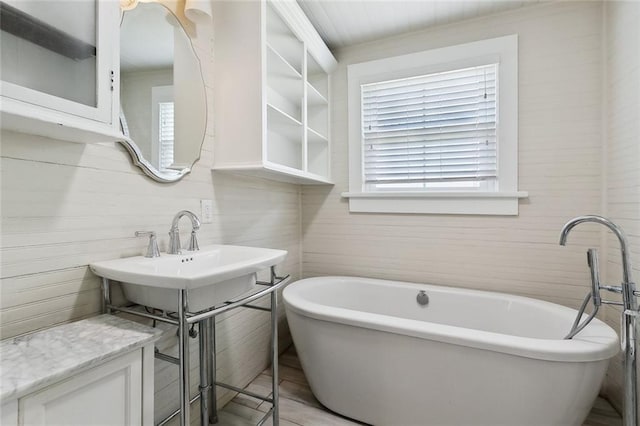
point(59, 55)
point(108, 395)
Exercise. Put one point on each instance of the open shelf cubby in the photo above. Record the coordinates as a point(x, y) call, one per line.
point(317, 154)
point(318, 119)
point(283, 41)
point(317, 77)
point(284, 138)
point(285, 88)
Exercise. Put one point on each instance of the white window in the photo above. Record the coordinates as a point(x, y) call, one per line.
point(436, 131)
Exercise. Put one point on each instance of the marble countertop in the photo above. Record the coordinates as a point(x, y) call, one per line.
point(35, 360)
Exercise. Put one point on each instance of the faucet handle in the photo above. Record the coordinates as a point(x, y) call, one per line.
point(193, 242)
point(152, 248)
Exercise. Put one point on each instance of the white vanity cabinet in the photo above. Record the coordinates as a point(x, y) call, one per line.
point(59, 69)
point(110, 394)
point(105, 379)
point(271, 106)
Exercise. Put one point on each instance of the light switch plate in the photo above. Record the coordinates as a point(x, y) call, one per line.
point(206, 211)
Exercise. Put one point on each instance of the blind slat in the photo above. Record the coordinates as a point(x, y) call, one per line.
point(457, 128)
point(430, 97)
point(432, 178)
point(434, 143)
point(482, 163)
point(467, 104)
point(420, 104)
point(433, 158)
point(480, 80)
point(424, 113)
point(436, 77)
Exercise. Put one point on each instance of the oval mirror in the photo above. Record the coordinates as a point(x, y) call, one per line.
point(162, 94)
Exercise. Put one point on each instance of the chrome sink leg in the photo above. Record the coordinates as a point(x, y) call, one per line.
point(183, 356)
point(205, 385)
point(106, 296)
point(274, 355)
point(213, 409)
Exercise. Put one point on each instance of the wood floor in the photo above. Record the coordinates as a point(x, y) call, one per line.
point(298, 406)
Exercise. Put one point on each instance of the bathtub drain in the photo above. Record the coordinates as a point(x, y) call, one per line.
point(422, 298)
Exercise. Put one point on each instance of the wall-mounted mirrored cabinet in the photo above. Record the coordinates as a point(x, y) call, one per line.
point(99, 74)
point(59, 68)
point(162, 94)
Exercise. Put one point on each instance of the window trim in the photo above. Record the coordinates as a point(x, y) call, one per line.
point(504, 201)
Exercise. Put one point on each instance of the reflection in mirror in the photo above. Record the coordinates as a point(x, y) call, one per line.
point(162, 95)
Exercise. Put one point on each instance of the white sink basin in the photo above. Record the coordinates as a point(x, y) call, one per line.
point(211, 275)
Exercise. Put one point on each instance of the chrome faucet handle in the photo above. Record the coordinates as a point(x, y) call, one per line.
point(174, 242)
point(193, 242)
point(152, 248)
point(612, 288)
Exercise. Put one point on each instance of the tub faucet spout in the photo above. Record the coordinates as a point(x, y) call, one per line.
point(630, 312)
point(626, 263)
point(174, 233)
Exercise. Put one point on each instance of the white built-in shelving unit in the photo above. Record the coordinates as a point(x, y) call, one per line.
point(271, 100)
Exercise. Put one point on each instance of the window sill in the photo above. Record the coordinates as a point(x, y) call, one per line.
point(472, 203)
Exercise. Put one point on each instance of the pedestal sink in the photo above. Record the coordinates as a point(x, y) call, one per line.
point(211, 275)
point(197, 286)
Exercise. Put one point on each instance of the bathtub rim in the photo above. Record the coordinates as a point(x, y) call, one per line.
point(596, 342)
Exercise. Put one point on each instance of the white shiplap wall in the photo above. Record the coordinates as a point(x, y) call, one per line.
point(622, 143)
point(65, 205)
point(559, 165)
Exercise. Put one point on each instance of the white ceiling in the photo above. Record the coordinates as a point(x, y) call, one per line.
point(347, 22)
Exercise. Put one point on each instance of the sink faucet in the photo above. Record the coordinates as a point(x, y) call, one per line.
point(630, 312)
point(174, 233)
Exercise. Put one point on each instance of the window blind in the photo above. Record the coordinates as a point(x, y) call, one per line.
point(165, 134)
point(433, 128)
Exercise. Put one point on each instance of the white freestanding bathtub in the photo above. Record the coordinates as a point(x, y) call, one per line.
point(372, 353)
